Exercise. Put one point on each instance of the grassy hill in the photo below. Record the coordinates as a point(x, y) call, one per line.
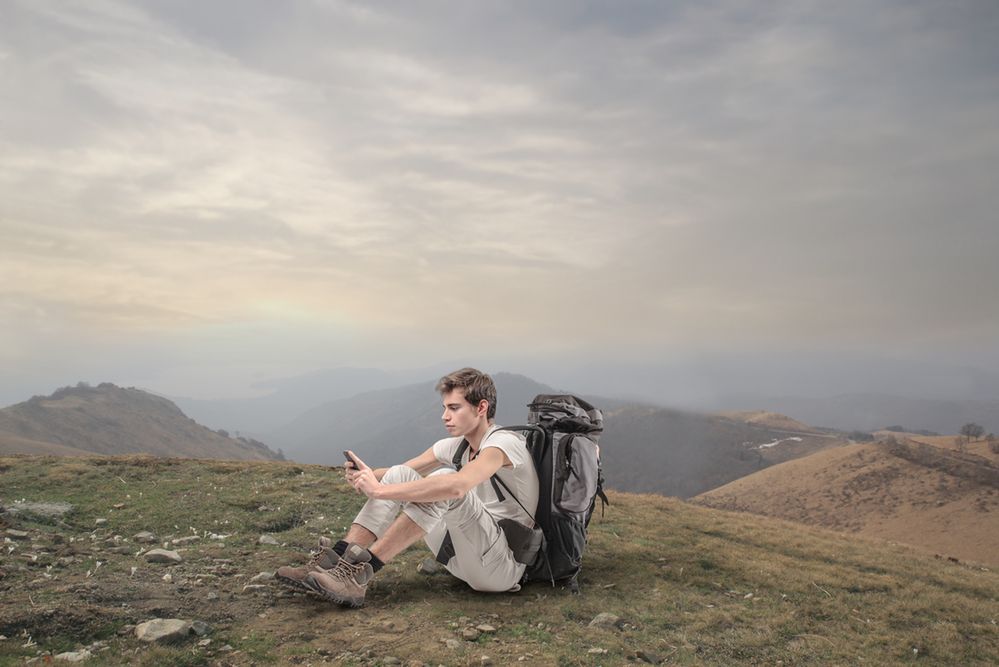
point(915, 490)
point(688, 585)
point(113, 420)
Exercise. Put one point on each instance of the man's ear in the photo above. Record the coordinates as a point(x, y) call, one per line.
point(483, 408)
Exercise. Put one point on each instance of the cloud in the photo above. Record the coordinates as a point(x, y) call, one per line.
point(703, 174)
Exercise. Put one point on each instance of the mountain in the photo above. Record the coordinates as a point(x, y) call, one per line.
point(284, 399)
point(391, 425)
point(680, 453)
point(646, 449)
point(112, 420)
point(915, 490)
point(870, 412)
point(663, 582)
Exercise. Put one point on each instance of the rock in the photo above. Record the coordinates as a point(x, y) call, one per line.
point(204, 642)
point(268, 539)
point(100, 522)
point(650, 658)
point(429, 566)
point(145, 537)
point(485, 660)
point(212, 595)
point(485, 628)
point(254, 588)
point(73, 656)
point(605, 620)
point(597, 651)
point(470, 634)
point(186, 540)
point(163, 630)
point(168, 578)
point(452, 643)
point(391, 660)
point(263, 576)
point(163, 556)
point(17, 534)
point(201, 628)
point(119, 506)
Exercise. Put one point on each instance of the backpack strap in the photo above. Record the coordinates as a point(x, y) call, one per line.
point(494, 479)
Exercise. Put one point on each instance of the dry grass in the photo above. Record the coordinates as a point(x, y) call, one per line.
point(865, 489)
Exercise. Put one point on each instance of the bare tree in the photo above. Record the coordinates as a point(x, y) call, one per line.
point(972, 431)
point(993, 443)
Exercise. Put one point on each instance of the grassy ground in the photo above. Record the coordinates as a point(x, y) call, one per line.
point(689, 585)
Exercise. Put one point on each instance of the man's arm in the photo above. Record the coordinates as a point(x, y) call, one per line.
point(424, 464)
point(438, 487)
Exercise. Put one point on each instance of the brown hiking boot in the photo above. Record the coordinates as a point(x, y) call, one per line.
point(347, 582)
point(324, 558)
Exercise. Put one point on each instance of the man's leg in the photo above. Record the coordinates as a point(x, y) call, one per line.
point(374, 516)
point(402, 533)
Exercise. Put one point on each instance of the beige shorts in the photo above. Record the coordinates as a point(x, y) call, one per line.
point(482, 557)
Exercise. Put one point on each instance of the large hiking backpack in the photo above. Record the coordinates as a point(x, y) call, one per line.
point(561, 433)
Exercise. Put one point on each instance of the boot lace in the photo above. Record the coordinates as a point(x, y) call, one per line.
point(347, 572)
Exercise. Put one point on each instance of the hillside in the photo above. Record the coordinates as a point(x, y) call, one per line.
point(912, 492)
point(112, 420)
point(684, 453)
point(682, 584)
point(646, 449)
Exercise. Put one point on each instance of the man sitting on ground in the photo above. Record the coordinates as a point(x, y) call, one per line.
point(457, 514)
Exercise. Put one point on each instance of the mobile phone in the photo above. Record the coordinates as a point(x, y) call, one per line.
point(347, 455)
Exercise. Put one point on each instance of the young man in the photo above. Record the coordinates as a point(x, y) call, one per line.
point(457, 513)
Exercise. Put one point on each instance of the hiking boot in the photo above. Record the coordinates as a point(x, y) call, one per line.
point(346, 583)
point(324, 558)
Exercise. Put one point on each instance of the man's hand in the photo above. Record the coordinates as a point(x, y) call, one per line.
point(362, 477)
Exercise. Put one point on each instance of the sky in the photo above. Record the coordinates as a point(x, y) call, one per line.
point(196, 197)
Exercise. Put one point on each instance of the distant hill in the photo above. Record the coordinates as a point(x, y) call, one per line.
point(683, 454)
point(390, 425)
point(870, 412)
point(112, 420)
point(284, 400)
point(646, 449)
point(918, 492)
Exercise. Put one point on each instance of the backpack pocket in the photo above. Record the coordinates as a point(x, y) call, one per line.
point(575, 472)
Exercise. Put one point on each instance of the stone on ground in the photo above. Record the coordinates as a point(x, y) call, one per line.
point(164, 630)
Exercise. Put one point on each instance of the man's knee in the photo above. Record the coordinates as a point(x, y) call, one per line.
point(400, 473)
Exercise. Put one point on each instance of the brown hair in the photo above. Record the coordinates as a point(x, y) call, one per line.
point(476, 385)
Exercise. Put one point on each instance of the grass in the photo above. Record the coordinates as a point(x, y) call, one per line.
point(691, 585)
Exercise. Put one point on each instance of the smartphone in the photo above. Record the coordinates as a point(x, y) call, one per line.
point(347, 456)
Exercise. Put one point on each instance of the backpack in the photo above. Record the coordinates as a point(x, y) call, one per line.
point(561, 436)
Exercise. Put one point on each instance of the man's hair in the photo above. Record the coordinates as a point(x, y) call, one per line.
point(476, 385)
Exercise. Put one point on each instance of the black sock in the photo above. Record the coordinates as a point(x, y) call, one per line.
point(376, 562)
point(340, 547)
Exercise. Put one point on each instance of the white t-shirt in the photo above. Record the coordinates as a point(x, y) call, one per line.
point(521, 478)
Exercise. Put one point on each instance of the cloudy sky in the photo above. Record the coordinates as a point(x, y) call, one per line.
point(195, 196)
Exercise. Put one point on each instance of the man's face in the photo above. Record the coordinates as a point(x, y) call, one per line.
point(460, 417)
